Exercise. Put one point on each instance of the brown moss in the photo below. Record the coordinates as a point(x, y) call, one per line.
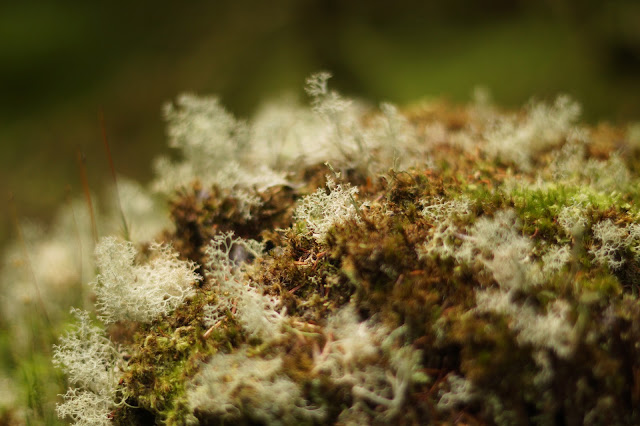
point(199, 214)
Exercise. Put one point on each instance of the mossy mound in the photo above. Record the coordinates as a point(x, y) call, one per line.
point(338, 265)
point(535, 323)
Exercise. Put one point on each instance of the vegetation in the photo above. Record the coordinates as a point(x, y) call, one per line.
point(342, 265)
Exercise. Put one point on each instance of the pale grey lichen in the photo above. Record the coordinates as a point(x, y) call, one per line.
point(226, 268)
point(230, 387)
point(128, 290)
point(93, 366)
point(322, 210)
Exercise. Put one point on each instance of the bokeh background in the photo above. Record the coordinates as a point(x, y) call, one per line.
point(62, 61)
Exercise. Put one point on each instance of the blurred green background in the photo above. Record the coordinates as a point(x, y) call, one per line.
point(61, 61)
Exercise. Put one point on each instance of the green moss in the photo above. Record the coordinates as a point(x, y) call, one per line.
point(168, 354)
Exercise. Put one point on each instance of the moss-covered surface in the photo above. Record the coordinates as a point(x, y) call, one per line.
point(376, 262)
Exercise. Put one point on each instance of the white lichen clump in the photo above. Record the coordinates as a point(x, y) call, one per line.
point(126, 290)
point(543, 127)
point(216, 149)
point(507, 255)
point(367, 359)
point(284, 137)
point(321, 210)
point(234, 385)
point(226, 269)
point(444, 233)
point(613, 241)
point(497, 244)
point(93, 366)
point(461, 391)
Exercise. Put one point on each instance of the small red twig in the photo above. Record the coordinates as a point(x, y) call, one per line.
point(210, 330)
point(293, 290)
